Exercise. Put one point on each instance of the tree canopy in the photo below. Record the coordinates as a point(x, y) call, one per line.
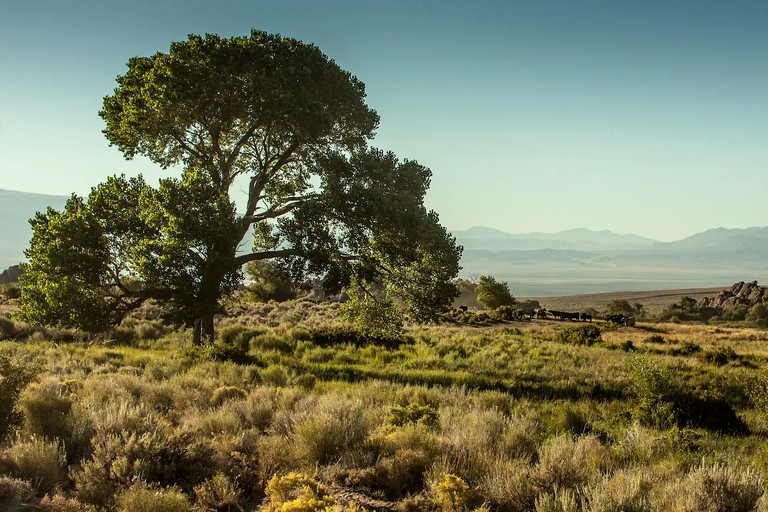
point(271, 112)
point(492, 294)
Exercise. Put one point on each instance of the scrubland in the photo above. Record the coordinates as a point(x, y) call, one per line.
point(292, 410)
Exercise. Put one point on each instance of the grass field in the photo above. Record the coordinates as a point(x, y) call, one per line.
point(291, 410)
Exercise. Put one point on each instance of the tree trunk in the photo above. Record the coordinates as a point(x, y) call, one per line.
point(203, 331)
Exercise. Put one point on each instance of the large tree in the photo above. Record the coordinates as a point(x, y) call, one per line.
point(269, 114)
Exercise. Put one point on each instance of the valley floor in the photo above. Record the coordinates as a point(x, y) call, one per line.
point(291, 410)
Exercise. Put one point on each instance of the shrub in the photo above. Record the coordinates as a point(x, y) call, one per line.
point(452, 494)
point(13, 489)
point(330, 431)
point(565, 463)
point(660, 401)
point(623, 491)
point(45, 411)
point(686, 348)
point(758, 315)
point(507, 485)
point(568, 418)
point(411, 413)
point(582, 335)
point(715, 488)
point(559, 500)
point(59, 503)
point(296, 492)
point(17, 369)
point(274, 375)
point(40, 462)
point(655, 338)
point(218, 493)
point(157, 456)
point(720, 356)
point(225, 394)
point(141, 498)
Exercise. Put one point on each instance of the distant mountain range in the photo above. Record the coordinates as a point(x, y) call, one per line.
point(586, 261)
point(535, 264)
point(16, 208)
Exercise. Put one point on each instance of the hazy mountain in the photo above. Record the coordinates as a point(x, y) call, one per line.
point(579, 239)
point(585, 261)
point(718, 239)
point(16, 208)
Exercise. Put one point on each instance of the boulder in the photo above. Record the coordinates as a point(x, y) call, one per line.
point(740, 293)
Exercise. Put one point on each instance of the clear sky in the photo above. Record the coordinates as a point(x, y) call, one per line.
point(645, 116)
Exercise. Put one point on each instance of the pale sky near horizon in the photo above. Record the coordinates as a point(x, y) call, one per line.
point(649, 117)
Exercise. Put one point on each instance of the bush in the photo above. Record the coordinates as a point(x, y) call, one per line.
point(40, 462)
point(17, 369)
point(621, 492)
point(582, 335)
point(141, 498)
point(686, 348)
point(720, 356)
point(13, 489)
point(296, 492)
point(225, 394)
point(715, 488)
point(661, 402)
point(59, 503)
point(452, 494)
point(758, 315)
point(218, 493)
point(274, 375)
point(568, 464)
point(411, 413)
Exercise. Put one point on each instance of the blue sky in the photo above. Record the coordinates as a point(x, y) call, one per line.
point(648, 117)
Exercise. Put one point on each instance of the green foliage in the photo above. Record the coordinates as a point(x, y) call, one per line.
point(492, 294)
point(374, 318)
point(284, 116)
point(720, 356)
point(269, 281)
point(218, 493)
point(620, 307)
point(452, 494)
point(296, 492)
point(411, 413)
point(40, 462)
point(143, 498)
point(758, 315)
point(661, 402)
point(17, 369)
point(582, 335)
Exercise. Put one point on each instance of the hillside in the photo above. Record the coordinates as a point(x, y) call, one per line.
point(16, 208)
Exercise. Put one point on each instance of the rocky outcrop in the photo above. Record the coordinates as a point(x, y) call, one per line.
point(11, 275)
point(740, 293)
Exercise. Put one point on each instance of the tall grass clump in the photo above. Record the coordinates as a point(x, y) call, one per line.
point(716, 488)
point(40, 462)
point(142, 498)
point(17, 369)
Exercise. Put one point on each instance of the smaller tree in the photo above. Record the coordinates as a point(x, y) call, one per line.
point(492, 294)
point(619, 307)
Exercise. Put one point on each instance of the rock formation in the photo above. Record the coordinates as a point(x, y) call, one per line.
point(11, 275)
point(747, 294)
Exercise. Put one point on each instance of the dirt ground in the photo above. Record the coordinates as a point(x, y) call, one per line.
point(652, 300)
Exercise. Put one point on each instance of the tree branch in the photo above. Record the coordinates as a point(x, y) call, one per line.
point(266, 255)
